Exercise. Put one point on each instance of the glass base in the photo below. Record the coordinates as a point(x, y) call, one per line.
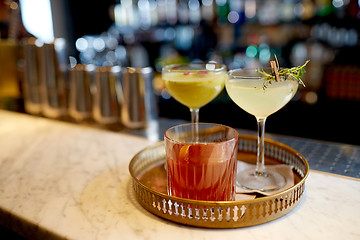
point(264, 182)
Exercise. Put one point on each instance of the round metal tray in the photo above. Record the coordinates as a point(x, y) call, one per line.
point(150, 181)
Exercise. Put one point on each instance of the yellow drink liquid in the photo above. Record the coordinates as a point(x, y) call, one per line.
point(194, 89)
point(251, 97)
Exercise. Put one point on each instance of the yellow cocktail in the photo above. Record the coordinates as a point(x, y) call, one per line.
point(194, 89)
point(195, 84)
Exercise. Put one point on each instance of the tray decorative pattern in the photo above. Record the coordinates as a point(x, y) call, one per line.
point(224, 214)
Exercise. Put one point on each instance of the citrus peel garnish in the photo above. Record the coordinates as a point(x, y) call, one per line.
point(184, 153)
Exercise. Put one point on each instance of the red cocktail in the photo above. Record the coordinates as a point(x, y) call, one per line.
point(205, 168)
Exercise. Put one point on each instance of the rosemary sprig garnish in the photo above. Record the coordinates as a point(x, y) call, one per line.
point(294, 73)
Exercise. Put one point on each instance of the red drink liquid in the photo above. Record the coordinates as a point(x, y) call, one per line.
point(202, 171)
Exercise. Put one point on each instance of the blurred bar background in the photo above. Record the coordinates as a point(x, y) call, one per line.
point(237, 33)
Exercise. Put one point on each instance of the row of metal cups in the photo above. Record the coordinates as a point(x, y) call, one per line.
point(106, 94)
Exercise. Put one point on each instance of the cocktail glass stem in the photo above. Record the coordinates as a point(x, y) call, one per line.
point(260, 163)
point(194, 115)
point(195, 128)
point(261, 179)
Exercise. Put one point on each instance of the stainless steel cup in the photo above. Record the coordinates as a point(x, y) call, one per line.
point(80, 97)
point(31, 84)
point(53, 76)
point(138, 107)
point(107, 95)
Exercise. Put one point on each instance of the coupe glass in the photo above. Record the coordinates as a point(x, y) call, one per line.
point(259, 97)
point(195, 84)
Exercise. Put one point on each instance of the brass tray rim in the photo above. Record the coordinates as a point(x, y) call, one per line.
point(261, 199)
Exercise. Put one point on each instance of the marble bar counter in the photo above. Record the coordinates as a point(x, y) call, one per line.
point(60, 180)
